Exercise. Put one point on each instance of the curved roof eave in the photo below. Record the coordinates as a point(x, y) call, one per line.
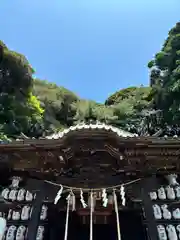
point(98, 126)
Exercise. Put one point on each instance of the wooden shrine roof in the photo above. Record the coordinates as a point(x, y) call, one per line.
point(94, 153)
point(90, 131)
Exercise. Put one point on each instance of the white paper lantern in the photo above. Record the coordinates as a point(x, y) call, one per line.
point(15, 181)
point(110, 199)
point(2, 227)
point(89, 201)
point(72, 202)
point(172, 179)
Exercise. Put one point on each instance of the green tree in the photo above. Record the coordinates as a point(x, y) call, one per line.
point(165, 77)
point(19, 109)
point(58, 103)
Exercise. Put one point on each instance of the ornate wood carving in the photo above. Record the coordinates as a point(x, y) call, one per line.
point(94, 158)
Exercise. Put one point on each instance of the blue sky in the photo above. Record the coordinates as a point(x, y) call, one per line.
point(92, 47)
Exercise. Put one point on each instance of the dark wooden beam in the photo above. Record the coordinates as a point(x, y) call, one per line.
point(35, 216)
point(147, 186)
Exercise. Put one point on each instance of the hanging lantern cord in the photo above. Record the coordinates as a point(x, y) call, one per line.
point(91, 216)
point(67, 218)
point(117, 214)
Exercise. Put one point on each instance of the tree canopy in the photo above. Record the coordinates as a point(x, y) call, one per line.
point(165, 77)
point(37, 107)
point(20, 110)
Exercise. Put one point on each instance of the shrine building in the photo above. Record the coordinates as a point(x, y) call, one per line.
point(91, 182)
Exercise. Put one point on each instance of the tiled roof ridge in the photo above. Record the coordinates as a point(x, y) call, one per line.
point(90, 126)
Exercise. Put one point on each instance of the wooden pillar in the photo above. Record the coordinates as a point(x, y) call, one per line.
point(35, 216)
point(147, 186)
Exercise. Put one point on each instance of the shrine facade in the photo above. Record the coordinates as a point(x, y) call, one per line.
point(88, 182)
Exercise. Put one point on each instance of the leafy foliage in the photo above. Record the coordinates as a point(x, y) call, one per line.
point(19, 108)
point(35, 107)
point(165, 77)
point(57, 102)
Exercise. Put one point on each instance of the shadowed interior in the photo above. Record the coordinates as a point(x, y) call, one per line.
point(130, 224)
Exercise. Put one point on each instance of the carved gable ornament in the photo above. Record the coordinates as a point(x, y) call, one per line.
point(98, 126)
